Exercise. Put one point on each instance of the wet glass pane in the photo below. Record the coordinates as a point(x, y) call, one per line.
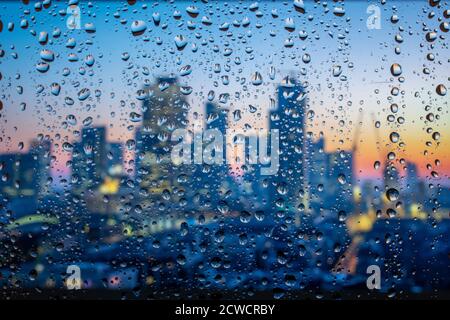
point(224, 149)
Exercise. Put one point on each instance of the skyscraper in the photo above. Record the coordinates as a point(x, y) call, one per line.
point(215, 117)
point(416, 191)
point(89, 159)
point(165, 109)
point(26, 174)
point(288, 183)
point(114, 159)
point(41, 153)
point(209, 179)
point(391, 178)
point(340, 186)
point(317, 171)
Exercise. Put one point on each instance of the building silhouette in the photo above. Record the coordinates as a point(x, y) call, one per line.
point(26, 174)
point(287, 186)
point(162, 184)
point(89, 160)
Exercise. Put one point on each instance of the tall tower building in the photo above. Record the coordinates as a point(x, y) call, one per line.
point(288, 183)
point(391, 177)
point(165, 110)
point(415, 190)
point(215, 117)
point(41, 153)
point(340, 186)
point(317, 172)
point(89, 163)
point(114, 159)
point(209, 179)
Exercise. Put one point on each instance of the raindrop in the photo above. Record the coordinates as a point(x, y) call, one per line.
point(441, 90)
point(71, 119)
point(396, 70)
point(156, 18)
point(257, 79)
point(306, 58)
point(42, 67)
point(138, 27)
point(186, 70)
point(135, 117)
point(83, 94)
point(43, 37)
point(337, 70)
point(436, 136)
point(272, 72)
point(394, 137)
point(130, 144)
point(67, 147)
point(87, 121)
point(125, 56)
point(89, 60)
point(186, 90)
point(180, 42)
point(342, 179)
point(47, 55)
point(192, 11)
point(289, 24)
point(89, 27)
point(299, 6)
point(392, 194)
point(339, 11)
point(431, 36)
point(376, 165)
point(55, 88)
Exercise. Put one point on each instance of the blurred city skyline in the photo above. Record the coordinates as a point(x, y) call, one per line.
point(338, 105)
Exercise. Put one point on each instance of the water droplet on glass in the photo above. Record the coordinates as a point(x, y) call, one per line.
point(394, 137)
point(138, 27)
point(180, 42)
point(441, 90)
point(83, 94)
point(392, 194)
point(257, 79)
point(396, 70)
point(42, 67)
point(47, 55)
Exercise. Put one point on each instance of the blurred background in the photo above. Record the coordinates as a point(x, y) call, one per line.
point(91, 93)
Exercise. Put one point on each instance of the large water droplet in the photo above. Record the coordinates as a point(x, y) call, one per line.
point(441, 90)
point(138, 27)
point(392, 194)
point(42, 67)
point(180, 42)
point(257, 79)
point(394, 137)
point(396, 70)
point(83, 94)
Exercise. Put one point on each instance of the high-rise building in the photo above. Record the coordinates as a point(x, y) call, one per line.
point(412, 178)
point(329, 178)
point(26, 174)
point(89, 163)
point(288, 184)
point(209, 179)
point(415, 190)
point(18, 170)
point(317, 172)
point(41, 152)
point(340, 185)
point(114, 161)
point(165, 110)
point(391, 177)
point(216, 118)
